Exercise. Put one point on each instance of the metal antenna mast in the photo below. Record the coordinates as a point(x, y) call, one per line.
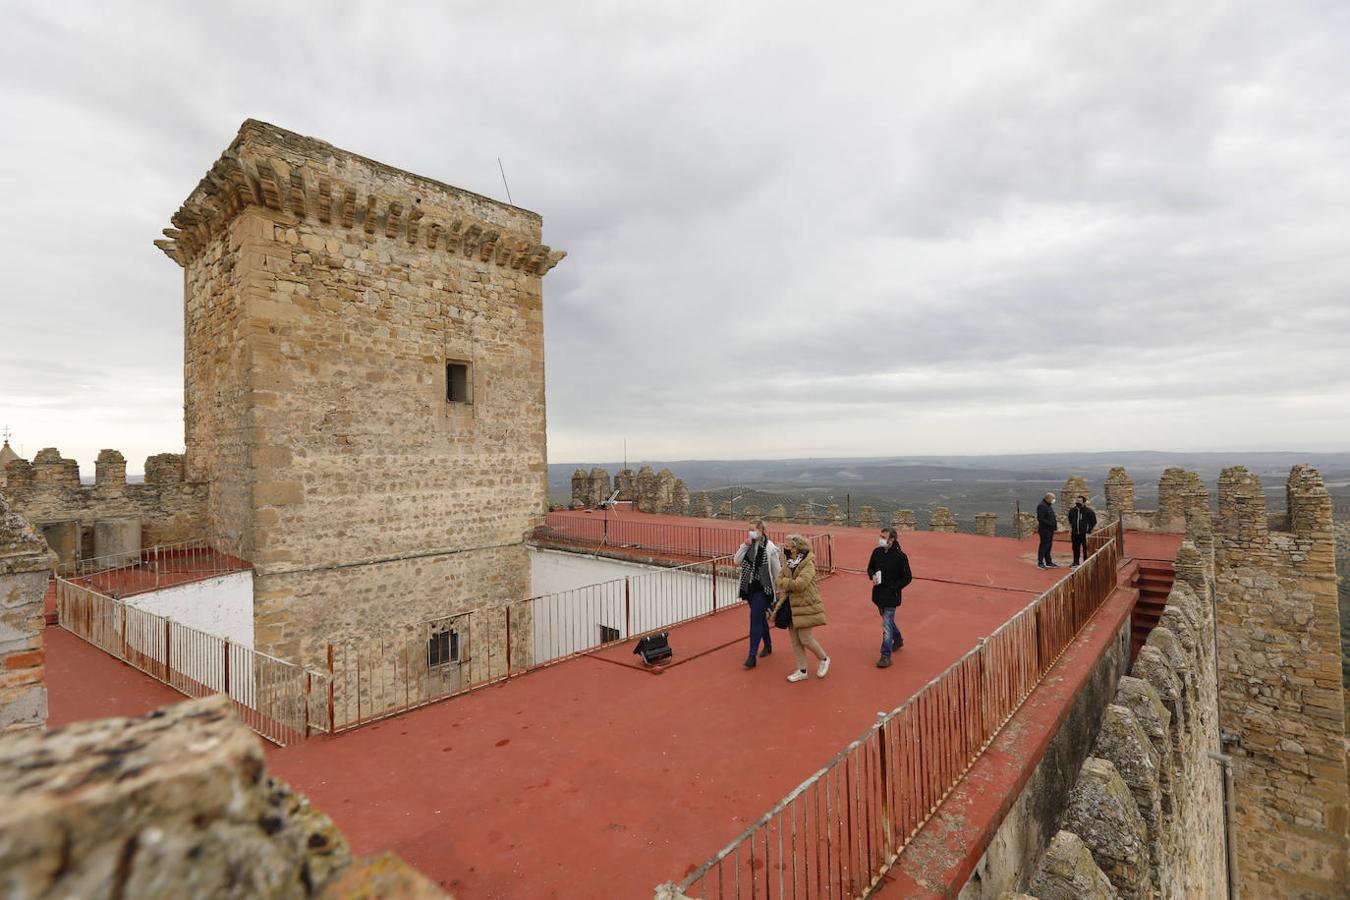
point(502, 169)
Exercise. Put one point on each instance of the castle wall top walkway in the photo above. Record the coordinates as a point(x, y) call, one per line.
point(596, 778)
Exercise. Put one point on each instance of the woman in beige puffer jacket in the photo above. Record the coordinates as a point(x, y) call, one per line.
point(796, 585)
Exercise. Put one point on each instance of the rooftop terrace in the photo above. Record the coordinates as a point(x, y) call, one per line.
point(595, 777)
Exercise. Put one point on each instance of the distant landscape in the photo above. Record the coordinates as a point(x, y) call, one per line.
point(972, 484)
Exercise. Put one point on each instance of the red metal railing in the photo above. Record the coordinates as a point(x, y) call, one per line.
point(153, 568)
point(699, 541)
point(397, 669)
point(275, 698)
point(840, 831)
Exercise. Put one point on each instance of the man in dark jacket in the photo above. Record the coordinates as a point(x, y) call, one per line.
point(1082, 519)
point(1046, 523)
point(889, 570)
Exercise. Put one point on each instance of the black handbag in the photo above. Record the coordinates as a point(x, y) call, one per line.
point(783, 618)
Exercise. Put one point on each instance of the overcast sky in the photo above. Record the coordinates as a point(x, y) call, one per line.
point(793, 229)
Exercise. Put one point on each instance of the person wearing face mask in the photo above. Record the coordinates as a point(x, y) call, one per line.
point(797, 586)
point(889, 570)
point(1082, 519)
point(760, 564)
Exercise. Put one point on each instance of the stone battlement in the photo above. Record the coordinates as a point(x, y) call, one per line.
point(305, 178)
point(49, 493)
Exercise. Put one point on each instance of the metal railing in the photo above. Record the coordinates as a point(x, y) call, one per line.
point(401, 668)
point(700, 541)
point(272, 696)
point(1111, 531)
point(843, 828)
point(138, 571)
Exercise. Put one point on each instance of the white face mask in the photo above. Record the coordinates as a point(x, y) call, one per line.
point(882, 542)
point(753, 534)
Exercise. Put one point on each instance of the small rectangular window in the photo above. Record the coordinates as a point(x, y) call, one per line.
point(443, 648)
point(608, 635)
point(457, 382)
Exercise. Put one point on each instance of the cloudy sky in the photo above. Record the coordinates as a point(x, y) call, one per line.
point(793, 229)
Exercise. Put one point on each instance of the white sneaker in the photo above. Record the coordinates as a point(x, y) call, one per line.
point(823, 668)
point(799, 675)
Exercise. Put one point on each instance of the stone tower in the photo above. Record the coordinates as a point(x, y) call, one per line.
point(364, 385)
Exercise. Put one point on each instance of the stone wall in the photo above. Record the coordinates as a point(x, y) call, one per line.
point(48, 493)
point(364, 383)
point(652, 492)
point(175, 804)
point(25, 566)
point(1280, 693)
point(942, 520)
point(1148, 802)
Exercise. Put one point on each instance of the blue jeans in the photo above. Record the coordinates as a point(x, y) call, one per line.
point(890, 632)
point(759, 623)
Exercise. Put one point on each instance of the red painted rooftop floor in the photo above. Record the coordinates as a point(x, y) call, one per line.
point(591, 779)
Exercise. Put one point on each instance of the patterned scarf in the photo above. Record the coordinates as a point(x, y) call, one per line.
point(753, 562)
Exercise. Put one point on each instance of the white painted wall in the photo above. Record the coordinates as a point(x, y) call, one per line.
point(577, 594)
point(222, 606)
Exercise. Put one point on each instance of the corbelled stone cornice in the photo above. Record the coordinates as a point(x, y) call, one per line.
point(307, 179)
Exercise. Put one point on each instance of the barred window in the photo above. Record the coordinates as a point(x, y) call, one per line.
point(443, 648)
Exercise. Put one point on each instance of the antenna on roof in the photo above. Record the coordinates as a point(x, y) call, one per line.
point(504, 184)
point(7, 433)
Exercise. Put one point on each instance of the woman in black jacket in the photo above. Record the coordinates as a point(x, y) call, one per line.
point(889, 570)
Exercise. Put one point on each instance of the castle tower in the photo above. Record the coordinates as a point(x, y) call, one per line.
point(1280, 700)
point(364, 385)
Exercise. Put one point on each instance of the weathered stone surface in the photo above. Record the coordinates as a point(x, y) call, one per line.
point(25, 565)
point(680, 500)
point(1279, 696)
point(625, 482)
point(834, 516)
point(942, 520)
point(1024, 524)
point(173, 804)
point(751, 512)
point(383, 877)
point(804, 515)
point(777, 513)
point(1119, 492)
point(1073, 486)
point(364, 387)
point(168, 510)
point(904, 520)
point(867, 517)
point(1068, 872)
point(1103, 813)
point(986, 524)
point(1123, 741)
point(702, 505)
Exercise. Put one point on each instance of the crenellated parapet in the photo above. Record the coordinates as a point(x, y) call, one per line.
point(986, 524)
point(49, 493)
point(904, 520)
point(296, 178)
point(942, 520)
point(1281, 700)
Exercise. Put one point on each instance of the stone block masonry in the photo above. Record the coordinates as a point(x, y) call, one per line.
point(364, 385)
point(25, 566)
point(175, 804)
point(49, 494)
point(1280, 680)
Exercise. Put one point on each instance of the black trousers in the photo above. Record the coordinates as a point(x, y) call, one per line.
point(1043, 551)
point(1079, 543)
